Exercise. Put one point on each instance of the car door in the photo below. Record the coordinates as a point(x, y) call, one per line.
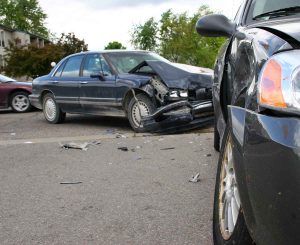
point(3, 95)
point(65, 84)
point(98, 87)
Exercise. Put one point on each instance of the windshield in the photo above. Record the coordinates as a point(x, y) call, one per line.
point(263, 7)
point(126, 61)
point(5, 79)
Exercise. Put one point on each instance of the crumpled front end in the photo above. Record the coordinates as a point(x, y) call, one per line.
point(183, 98)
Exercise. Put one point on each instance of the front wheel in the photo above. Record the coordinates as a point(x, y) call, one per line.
point(229, 225)
point(143, 106)
point(20, 102)
point(52, 112)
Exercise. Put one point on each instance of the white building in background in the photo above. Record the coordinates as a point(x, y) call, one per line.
point(19, 38)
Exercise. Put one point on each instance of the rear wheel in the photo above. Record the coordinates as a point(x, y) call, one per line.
point(228, 220)
point(20, 102)
point(137, 109)
point(52, 112)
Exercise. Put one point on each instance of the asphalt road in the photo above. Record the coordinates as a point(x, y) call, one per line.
point(51, 195)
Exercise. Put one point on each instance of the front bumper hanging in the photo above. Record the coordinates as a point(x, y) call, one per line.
point(179, 116)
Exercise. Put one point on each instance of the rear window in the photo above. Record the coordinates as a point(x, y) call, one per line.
point(72, 67)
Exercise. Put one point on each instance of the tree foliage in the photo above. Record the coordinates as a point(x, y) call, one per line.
point(24, 15)
point(32, 61)
point(144, 36)
point(175, 38)
point(114, 45)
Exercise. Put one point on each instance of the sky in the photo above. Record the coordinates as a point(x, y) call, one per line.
point(100, 22)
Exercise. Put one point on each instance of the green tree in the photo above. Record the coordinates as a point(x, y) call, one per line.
point(24, 15)
point(114, 45)
point(177, 40)
point(145, 36)
point(32, 61)
point(71, 44)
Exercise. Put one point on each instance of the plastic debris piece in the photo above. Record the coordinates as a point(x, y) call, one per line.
point(96, 142)
point(167, 149)
point(74, 146)
point(123, 148)
point(71, 183)
point(195, 178)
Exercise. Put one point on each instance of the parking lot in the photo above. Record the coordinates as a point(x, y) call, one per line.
point(103, 195)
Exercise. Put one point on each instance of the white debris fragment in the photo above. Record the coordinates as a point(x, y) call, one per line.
point(195, 178)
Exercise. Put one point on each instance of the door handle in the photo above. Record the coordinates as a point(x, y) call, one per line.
point(55, 82)
point(83, 82)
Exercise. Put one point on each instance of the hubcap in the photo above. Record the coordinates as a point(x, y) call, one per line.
point(20, 103)
point(139, 109)
point(229, 198)
point(50, 109)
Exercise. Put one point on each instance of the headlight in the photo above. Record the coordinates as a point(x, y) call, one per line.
point(183, 94)
point(177, 94)
point(279, 82)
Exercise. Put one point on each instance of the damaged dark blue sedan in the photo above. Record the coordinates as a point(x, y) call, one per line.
point(256, 96)
point(153, 93)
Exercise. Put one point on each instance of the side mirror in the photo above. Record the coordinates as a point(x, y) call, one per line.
point(98, 75)
point(215, 25)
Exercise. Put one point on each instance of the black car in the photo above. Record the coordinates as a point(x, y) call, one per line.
point(151, 91)
point(256, 98)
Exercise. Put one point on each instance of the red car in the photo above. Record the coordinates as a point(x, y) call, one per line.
point(14, 94)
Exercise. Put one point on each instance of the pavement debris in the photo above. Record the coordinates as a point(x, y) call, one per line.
point(195, 178)
point(118, 136)
point(208, 155)
point(71, 183)
point(72, 145)
point(123, 148)
point(167, 149)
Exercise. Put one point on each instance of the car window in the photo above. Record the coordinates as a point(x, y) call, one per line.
point(126, 61)
point(59, 70)
point(95, 63)
point(260, 7)
point(5, 79)
point(72, 67)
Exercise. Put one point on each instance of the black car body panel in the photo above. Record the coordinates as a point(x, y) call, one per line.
point(266, 151)
point(265, 142)
point(110, 95)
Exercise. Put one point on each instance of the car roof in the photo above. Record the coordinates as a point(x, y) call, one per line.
point(112, 51)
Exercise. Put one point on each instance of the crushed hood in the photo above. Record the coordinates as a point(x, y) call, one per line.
point(178, 75)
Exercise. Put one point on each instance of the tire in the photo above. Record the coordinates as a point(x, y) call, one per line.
point(226, 191)
point(51, 110)
point(19, 102)
point(147, 108)
point(216, 137)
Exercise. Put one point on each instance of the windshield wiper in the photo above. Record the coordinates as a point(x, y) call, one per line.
point(279, 12)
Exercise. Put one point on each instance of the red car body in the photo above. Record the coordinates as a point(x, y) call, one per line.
point(9, 87)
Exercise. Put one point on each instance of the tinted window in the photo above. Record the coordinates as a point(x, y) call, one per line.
point(95, 63)
point(59, 70)
point(72, 67)
point(105, 67)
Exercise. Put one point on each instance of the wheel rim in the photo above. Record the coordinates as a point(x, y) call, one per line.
point(50, 109)
point(139, 109)
point(20, 102)
point(229, 198)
